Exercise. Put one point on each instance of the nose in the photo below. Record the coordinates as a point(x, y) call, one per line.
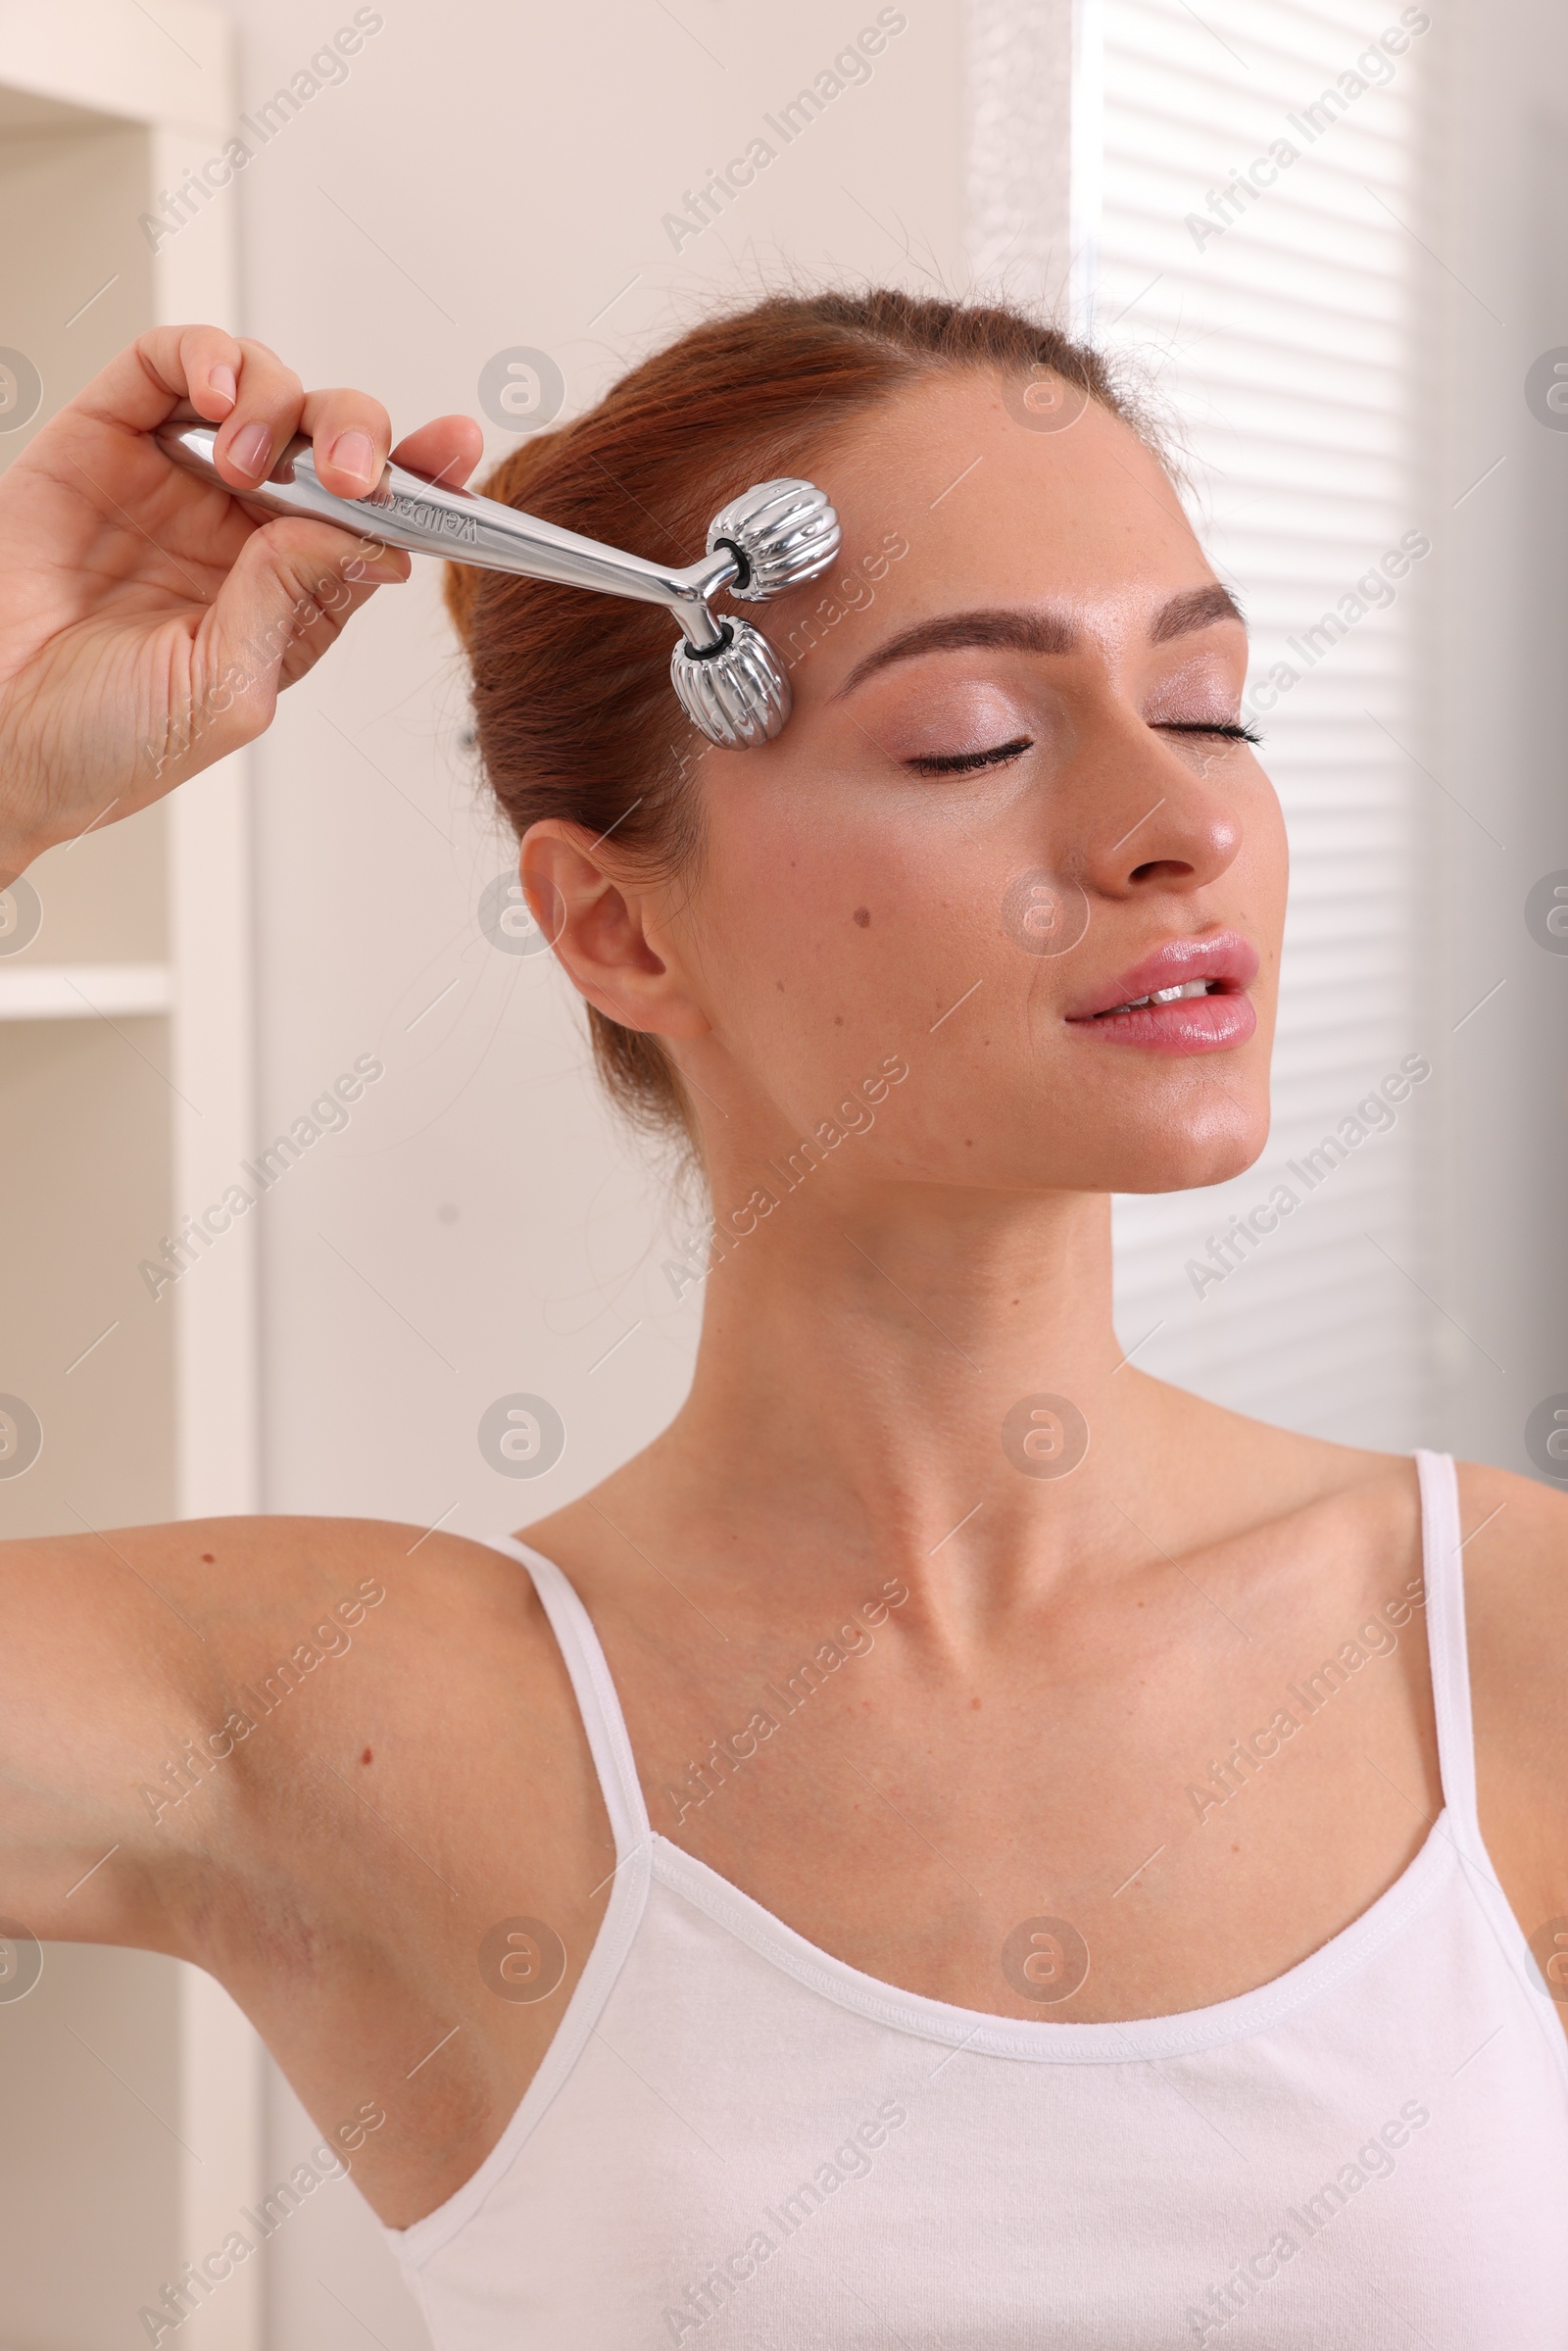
point(1162, 824)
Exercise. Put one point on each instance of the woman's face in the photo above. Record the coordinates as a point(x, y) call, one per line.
point(1012, 798)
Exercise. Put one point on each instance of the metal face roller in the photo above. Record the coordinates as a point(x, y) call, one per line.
point(728, 677)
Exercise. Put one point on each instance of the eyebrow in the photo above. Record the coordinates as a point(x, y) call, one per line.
point(1049, 631)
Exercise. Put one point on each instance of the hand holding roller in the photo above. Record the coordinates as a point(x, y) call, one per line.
point(725, 673)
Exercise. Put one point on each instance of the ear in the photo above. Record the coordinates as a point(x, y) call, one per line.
point(607, 931)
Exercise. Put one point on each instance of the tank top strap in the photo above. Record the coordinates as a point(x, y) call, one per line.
point(1443, 1578)
point(602, 1718)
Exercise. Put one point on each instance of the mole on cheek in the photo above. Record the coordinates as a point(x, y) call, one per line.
point(862, 915)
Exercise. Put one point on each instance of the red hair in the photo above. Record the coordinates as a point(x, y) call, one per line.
point(574, 710)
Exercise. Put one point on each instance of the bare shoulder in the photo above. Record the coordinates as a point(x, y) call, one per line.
point(1242, 1476)
point(332, 1762)
point(1514, 1533)
point(160, 1685)
point(250, 1575)
point(1526, 1522)
point(361, 1634)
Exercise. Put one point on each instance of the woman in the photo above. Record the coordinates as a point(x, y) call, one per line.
point(958, 1843)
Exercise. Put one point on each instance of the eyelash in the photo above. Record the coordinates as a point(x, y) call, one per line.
point(1233, 732)
point(965, 762)
point(962, 762)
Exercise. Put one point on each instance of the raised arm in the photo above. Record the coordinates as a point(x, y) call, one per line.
point(148, 621)
point(136, 1670)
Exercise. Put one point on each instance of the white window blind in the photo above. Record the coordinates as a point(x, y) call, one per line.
point(1276, 301)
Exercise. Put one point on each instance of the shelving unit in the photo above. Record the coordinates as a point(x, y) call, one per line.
point(84, 991)
point(130, 2084)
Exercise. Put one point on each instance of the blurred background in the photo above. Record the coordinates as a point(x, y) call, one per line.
point(1330, 237)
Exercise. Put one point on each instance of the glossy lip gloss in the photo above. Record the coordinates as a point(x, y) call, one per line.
point(1218, 1015)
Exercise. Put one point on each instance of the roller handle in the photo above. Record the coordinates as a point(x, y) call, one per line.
point(425, 517)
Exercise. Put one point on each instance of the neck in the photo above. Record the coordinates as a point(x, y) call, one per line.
point(871, 1370)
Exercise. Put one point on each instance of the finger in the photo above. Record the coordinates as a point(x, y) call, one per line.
point(352, 434)
point(162, 369)
point(266, 415)
point(212, 362)
point(291, 589)
point(446, 450)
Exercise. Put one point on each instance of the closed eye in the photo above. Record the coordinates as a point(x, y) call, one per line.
point(964, 762)
point(1230, 730)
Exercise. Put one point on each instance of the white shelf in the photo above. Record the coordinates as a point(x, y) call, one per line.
point(79, 991)
point(103, 104)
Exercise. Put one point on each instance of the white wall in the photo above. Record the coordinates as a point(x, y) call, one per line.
point(489, 179)
point(503, 188)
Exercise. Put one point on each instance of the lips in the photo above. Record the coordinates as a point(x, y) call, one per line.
point(1186, 997)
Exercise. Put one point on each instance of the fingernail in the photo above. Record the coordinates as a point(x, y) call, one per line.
point(221, 381)
point(250, 450)
point(354, 454)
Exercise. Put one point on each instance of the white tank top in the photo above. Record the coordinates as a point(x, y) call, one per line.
point(737, 2140)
